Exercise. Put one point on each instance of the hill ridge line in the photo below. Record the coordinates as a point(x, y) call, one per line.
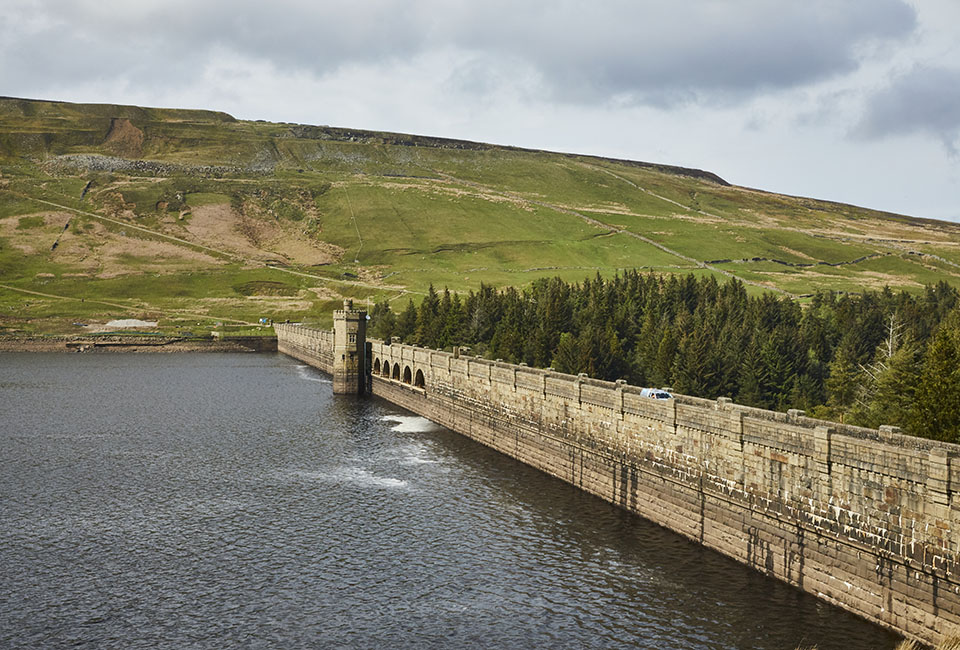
point(314, 132)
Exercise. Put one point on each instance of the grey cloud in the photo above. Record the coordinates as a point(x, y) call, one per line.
point(475, 77)
point(924, 100)
point(149, 42)
point(663, 52)
point(642, 51)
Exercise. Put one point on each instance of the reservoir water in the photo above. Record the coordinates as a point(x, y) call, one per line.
point(229, 500)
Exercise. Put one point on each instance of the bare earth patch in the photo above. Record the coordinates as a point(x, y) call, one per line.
point(122, 255)
point(124, 139)
point(32, 241)
point(106, 254)
point(257, 236)
point(866, 279)
point(324, 293)
point(97, 251)
point(218, 226)
point(303, 251)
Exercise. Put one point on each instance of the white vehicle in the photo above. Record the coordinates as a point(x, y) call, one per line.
point(655, 393)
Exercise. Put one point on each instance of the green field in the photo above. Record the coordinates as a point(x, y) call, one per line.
point(193, 216)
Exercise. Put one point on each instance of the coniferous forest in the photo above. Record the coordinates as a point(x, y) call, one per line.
point(881, 357)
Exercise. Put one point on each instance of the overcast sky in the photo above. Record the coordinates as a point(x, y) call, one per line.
point(849, 100)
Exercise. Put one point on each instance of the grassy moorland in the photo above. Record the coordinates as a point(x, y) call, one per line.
point(191, 217)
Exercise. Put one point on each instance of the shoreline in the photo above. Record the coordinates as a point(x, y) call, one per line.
point(136, 344)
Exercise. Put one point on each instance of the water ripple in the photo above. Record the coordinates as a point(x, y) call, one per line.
point(212, 501)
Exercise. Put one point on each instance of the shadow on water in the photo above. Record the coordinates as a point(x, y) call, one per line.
point(667, 586)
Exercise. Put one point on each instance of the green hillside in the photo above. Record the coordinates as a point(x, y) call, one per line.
point(189, 217)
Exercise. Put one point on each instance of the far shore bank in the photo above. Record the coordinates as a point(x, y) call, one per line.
point(75, 344)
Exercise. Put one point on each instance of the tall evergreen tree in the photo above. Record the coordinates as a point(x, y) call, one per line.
point(407, 322)
point(383, 321)
point(936, 412)
point(892, 388)
point(428, 321)
point(453, 321)
point(568, 357)
point(662, 372)
point(696, 364)
point(751, 375)
point(843, 382)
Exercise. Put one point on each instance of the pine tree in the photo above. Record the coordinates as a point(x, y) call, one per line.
point(843, 381)
point(453, 324)
point(567, 357)
point(428, 325)
point(383, 321)
point(892, 390)
point(662, 373)
point(750, 392)
point(936, 412)
point(649, 337)
point(889, 382)
point(696, 365)
point(407, 322)
point(778, 368)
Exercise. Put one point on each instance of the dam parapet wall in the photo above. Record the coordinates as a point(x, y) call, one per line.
point(315, 346)
point(866, 519)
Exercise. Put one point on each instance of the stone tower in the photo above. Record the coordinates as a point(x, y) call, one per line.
point(349, 349)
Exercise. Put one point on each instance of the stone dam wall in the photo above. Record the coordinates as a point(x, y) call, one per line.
point(307, 344)
point(862, 518)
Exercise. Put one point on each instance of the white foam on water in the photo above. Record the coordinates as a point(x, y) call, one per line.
point(414, 459)
point(351, 476)
point(363, 477)
point(416, 455)
point(305, 373)
point(410, 423)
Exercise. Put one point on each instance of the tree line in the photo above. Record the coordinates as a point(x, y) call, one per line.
point(880, 357)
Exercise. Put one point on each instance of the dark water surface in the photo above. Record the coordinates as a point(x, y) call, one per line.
point(217, 501)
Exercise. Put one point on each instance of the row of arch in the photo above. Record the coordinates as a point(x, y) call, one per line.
point(406, 375)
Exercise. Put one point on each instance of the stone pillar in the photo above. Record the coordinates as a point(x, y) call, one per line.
point(578, 382)
point(938, 485)
point(349, 350)
point(822, 451)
